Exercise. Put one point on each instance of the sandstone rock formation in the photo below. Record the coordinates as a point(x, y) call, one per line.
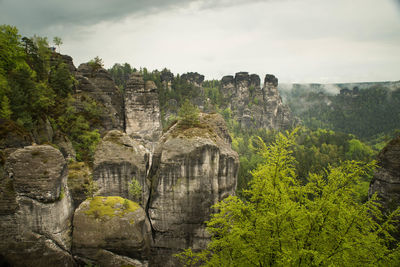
point(192, 169)
point(166, 78)
point(98, 84)
point(111, 231)
point(118, 160)
point(142, 111)
point(36, 209)
point(386, 181)
point(255, 106)
point(193, 78)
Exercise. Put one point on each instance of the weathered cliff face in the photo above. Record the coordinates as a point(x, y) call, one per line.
point(142, 111)
point(111, 231)
point(118, 160)
point(386, 181)
point(192, 170)
point(36, 209)
point(99, 85)
point(255, 106)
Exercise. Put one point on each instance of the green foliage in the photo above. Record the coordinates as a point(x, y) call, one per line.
point(120, 74)
point(61, 80)
point(96, 64)
point(90, 188)
point(58, 42)
point(75, 123)
point(5, 110)
point(135, 189)
point(283, 222)
point(365, 113)
point(188, 114)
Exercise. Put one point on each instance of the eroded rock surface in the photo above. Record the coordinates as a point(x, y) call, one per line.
point(142, 111)
point(38, 219)
point(118, 160)
point(192, 170)
point(98, 84)
point(111, 231)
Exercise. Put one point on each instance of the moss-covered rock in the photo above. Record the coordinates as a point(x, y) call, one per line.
point(108, 207)
point(111, 224)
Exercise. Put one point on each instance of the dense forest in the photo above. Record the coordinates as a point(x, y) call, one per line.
point(315, 210)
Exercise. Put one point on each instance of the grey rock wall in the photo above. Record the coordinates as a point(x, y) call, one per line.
point(142, 111)
point(38, 219)
point(192, 170)
point(118, 160)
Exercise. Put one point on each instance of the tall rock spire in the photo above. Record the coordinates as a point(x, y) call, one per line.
point(142, 111)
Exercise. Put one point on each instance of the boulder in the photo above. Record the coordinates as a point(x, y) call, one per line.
point(193, 168)
point(111, 230)
point(36, 209)
point(119, 159)
point(37, 172)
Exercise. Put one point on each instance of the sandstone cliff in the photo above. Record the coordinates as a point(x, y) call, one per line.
point(36, 209)
point(118, 160)
point(98, 84)
point(142, 111)
point(193, 169)
point(255, 106)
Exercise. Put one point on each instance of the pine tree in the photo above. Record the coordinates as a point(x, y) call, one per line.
point(188, 114)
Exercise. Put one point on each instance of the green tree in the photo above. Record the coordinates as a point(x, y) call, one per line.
point(96, 64)
point(285, 223)
point(58, 42)
point(135, 190)
point(5, 110)
point(188, 114)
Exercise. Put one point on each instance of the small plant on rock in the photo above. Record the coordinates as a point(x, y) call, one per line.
point(135, 189)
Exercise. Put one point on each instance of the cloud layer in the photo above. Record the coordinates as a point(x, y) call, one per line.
point(298, 40)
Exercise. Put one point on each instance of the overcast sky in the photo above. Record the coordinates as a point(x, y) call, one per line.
point(297, 40)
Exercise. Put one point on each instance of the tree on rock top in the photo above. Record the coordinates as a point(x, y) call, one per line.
point(188, 114)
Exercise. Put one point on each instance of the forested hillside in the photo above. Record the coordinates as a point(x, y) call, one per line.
point(369, 111)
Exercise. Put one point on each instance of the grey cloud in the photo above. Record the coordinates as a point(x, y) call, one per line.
point(40, 15)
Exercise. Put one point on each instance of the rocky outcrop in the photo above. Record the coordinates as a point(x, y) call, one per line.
point(111, 231)
point(118, 160)
point(386, 181)
point(193, 78)
point(38, 219)
point(193, 169)
point(142, 111)
point(98, 84)
point(166, 78)
point(255, 106)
